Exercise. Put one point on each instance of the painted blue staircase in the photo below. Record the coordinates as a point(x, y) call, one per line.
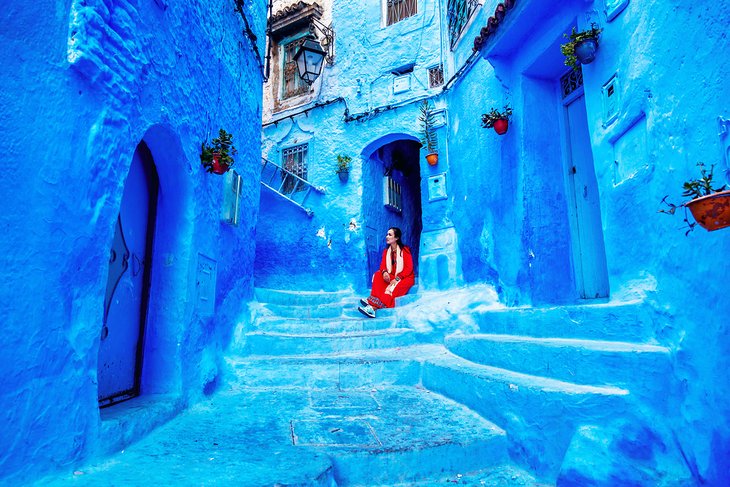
point(372, 416)
point(318, 395)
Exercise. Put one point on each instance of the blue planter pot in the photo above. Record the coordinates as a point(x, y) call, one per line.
point(343, 175)
point(585, 51)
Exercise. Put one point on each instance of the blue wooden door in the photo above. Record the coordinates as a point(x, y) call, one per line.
point(589, 255)
point(125, 304)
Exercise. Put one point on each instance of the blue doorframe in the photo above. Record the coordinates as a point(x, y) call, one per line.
point(127, 294)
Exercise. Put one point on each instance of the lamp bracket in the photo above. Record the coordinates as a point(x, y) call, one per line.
point(328, 38)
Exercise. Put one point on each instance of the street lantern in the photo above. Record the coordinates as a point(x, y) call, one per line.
point(309, 58)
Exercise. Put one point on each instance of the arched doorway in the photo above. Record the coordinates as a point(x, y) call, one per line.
point(392, 196)
point(128, 282)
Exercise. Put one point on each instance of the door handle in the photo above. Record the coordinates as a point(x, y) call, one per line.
point(136, 265)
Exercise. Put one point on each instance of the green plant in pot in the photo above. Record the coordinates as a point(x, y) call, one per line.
point(581, 46)
point(217, 157)
point(343, 166)
point(498, 120)
point(427, 118)
point(709, 203)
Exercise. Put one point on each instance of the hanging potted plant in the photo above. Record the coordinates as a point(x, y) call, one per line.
point(428, 132)
point(581, 46)
point(710, 206)
point(218, 156)
point(343, 167)
point(498, 120)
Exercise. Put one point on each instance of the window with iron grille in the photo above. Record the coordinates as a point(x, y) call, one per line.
point(571, 81)
point(397, 10)
point(294, 160)
point(392, 194)
point(459, 12)
point(292, 84)
point(436, 76)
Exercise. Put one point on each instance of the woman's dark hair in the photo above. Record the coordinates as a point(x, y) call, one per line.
point(397, 234)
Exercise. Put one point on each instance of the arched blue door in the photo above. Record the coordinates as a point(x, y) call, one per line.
point(125, 303)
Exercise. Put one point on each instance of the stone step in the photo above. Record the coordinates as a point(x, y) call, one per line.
point(313, 311)
point(575, 360)
point(273, 343)
point(623, 321)
point(396, 435)
point(299, 298)
point(539, 414)
point(347, 370)
point(323, 325)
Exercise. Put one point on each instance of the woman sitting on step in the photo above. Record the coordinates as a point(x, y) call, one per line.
point(394, 278)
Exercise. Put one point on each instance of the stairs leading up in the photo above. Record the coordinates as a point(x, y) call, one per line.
point(365, 406)
point(316, 394)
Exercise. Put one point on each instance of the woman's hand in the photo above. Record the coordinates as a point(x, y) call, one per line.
point(386, 276)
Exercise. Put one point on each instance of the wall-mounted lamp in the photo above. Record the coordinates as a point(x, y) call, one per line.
point(311, 53)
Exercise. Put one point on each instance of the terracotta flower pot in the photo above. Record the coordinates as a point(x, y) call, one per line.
point(432, 158)
point(501, 125)
point(712, 212)
point(585, 50)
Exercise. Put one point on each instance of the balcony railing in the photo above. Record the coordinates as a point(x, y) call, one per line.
point(287, 184)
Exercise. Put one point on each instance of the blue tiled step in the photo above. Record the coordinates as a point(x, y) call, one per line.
point(272, 343)
point(324, 325)
point(306, 311)
point(299, 298)
point(348, 370)
point(575, 360)
point(625, 321)
point(539, 414)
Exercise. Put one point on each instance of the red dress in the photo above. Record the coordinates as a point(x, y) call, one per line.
point(400, 267)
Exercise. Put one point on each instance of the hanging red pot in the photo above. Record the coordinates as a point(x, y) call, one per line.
point(218, 166)
point(432, 158)
point(500, 126)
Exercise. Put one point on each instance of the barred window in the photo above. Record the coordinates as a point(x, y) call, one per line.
point(294, 160)
point(459, 12)
point(397, 10)
point(436, 76)
point(571, 81)
point(292, 84)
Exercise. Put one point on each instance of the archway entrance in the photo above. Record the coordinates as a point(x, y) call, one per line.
point(127, 291)
point(392, 198)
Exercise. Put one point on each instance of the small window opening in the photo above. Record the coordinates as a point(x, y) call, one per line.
point(397, 10)
point(436, 76)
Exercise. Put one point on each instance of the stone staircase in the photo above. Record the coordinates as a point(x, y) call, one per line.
point(542, 373)
point(318, 395)
point(358, 381)
point(538, 374)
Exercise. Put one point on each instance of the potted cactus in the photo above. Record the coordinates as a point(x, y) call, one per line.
point(428, 132)
point(710, 205)
point(581, 46)
point(498, 120)
point(217, 157)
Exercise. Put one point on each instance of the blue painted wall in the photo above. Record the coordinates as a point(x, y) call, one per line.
point(509, 218)
point(84, 82)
